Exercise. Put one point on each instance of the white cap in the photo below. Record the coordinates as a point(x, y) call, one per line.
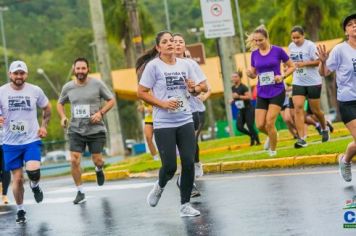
point(18, 65)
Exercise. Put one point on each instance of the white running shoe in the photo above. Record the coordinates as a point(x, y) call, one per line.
point(198, 168)
point(266, 145)
point(345, 169)
point(156, 157)
point(155, 194)
point(187, 210)
point(272, 153)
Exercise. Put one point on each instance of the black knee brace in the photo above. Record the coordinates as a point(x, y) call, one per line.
point(34, 175)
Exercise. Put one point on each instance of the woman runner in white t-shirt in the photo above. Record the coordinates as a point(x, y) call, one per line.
point(171, 81)
point(342, 60)
point(306, 83)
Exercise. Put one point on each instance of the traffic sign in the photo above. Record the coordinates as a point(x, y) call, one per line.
point(217, 18)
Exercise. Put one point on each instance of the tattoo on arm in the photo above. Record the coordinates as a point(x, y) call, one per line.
point(46, 115)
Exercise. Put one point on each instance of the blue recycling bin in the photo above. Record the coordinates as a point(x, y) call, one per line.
point(138, 148)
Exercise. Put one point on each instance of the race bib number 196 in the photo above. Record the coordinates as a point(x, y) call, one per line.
point(81, 111)
point(18, 126)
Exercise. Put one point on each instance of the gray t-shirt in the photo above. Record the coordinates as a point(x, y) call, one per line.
point(305, 76)
point(342, 59)
point(19, 108)
point(85, 101)
point(195, 103)
point(168, 82)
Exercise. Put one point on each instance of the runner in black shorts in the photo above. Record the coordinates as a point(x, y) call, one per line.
point(306, 83)
point(342, 60)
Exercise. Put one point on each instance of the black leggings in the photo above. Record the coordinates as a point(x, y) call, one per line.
point(5, 176)
point(246, 116)
point(167, 139)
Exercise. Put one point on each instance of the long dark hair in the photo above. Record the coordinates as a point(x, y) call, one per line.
point(149, 54)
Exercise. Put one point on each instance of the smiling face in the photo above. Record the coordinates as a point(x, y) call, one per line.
point(166, 45)
point(260, 40)
point(81, 70)
point(179, 45)
point(297, 38)
point(235, 78)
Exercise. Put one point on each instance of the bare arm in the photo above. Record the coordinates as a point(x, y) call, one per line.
point(62, 115)
point(251, 73)
point(143, 93)
point(46, 116)
point(98, 116)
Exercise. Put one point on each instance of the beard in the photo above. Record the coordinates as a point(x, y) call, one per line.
point(18, 82)
point(81, 76)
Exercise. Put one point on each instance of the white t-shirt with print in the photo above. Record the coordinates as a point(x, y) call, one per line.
point(195, 103)
point(19, 108)
point(342, 59)
point(305, 76)
point(168, 82)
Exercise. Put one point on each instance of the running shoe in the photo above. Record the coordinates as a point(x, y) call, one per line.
point(272, 153)
point(266, 145)
point(300, 143)
point(195, 192)
point(5, 200)
point(186, 209)
point(325, 136)
point(37, 193)
point(155, 194)
point(198, 168)
point(331, 127)
point(80, 198)
point(100, 177)
point(21, 218)
point(345, 169)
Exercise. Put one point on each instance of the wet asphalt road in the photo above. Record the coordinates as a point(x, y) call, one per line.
point(273, 202)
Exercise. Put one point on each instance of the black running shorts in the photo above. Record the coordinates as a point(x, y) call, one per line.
point(347, 111)
point(312, 92)
point(263, 103)
point(95, 142)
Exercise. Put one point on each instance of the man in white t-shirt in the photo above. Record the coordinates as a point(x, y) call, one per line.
point(19, 101)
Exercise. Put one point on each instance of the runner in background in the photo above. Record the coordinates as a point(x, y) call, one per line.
point(306, 84)
point(266, 62)
point(342, 60)
point(241, 97)
point(287, 111)
point(147, 110)
point(5, 176)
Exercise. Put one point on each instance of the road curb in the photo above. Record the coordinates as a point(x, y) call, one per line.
point(229, 166)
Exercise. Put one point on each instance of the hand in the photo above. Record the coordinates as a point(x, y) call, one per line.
point(171, 104)
point(322, 53)
point(42, 132)
point(235, 95)
point(299, 64)
point(250, 74)
point(197, 89)
point(96, 117)
point(190, 84)
point(201, 97)
point(279, 78)
point(64, 122)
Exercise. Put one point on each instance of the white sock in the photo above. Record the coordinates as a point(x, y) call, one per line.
point(33, 184)
point(343, 160)
point(20, 207)
point(80, 188)
point(98, 168)
point(317, 124)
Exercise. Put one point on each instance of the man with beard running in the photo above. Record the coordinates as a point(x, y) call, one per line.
point(86, 126)
point(19, 101)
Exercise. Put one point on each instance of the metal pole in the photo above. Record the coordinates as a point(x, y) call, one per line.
point(167, 15)
point(93, 46)
point(42, 72)
point(243, 46)
point(115, 140)
point(2, 9)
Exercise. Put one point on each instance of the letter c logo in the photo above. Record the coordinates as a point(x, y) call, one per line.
point(349, 217)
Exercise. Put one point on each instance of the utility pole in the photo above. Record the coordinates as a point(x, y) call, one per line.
point(115, 140)
point(135, 31)
point(228, 66)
